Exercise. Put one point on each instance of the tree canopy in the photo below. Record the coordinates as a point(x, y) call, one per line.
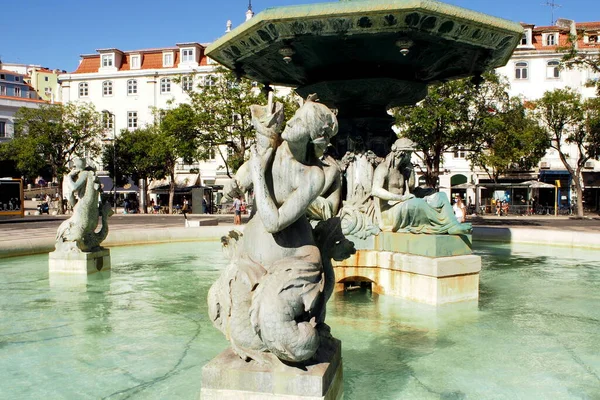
point(52, 136)
point(571, 123)
point(584, 60)
point(222, 104)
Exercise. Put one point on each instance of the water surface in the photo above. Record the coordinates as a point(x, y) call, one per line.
point(143, 331)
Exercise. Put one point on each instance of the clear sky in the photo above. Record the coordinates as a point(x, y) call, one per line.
point(54, 33)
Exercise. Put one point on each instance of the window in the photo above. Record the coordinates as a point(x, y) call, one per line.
point(3, 129)
point(187, 55)
point(135, 62)
point(107, 120)
point(521, 70)
point(552, 69)
point(107, 60)
point(132, 86)
point(209, 80)
point(459, 152)
point(48, 91)
point(83, 89)
point(551, 39)
point(17, 92)
point(17, 78)
point(165, 85)
point(211, 153)
point(167, 59)
point(132, 119)
point(2, 90)
point(524, 40)
point(187, 83)
point(46, 78)
point(107, 88)
point(593, 39)
point(2, 76)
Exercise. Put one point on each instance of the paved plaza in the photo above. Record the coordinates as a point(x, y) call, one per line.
point(35, 233)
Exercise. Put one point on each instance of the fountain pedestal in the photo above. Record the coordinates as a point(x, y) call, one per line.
point(432, 269)
point(79, 262)
point(229, 377)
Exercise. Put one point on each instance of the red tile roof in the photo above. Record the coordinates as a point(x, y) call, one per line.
point(5, 71)
point(24, 99)
point(151, 59)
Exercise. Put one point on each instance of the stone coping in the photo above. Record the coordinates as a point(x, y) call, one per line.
point(123, 237)
point(554, 237)
point(127, 237)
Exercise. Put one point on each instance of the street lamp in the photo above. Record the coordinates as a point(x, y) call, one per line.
point(114, 140)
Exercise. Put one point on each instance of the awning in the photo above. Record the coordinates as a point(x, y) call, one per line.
point(106, 183)
point(181, 181)
point(591, 180)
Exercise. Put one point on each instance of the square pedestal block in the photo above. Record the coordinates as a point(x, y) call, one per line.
point(432, 269)
point(229, 377)
point(79, 262)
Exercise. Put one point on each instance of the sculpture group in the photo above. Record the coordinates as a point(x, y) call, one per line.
point(273, 294)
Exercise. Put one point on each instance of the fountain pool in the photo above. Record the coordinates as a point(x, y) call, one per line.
point(143, 331)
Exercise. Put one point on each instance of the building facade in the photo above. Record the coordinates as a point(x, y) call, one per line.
point(43, 80)
point(128, 87)
point(15, 93)
point(534, 68)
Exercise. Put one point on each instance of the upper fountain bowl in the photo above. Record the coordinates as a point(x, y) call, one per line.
point(412, 41)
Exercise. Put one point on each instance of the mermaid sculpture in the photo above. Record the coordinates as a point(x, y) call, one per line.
point(399, 207)
point(272, 296)
point(82, 190)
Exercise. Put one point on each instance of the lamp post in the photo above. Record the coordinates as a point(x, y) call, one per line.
point(114, 140)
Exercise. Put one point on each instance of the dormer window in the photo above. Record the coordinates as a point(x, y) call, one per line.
point(524, 40)
point(550, 39)
point(108, 60)
point(135, 62)
point(593, 39)
point(168, 59)
point(187, 55)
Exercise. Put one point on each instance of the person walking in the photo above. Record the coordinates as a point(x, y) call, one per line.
point(459, 209)
point(237, 208)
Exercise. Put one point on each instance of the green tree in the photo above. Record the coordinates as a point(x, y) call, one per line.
point(453, 114)
point(179, 138)
point(138, 157)
point(510, 140)
point(571, 124)
point(222, 104)
point(52, 136)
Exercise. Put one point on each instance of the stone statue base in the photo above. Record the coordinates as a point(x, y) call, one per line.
point(83, 263)
point(432, 269)
point(228, 377)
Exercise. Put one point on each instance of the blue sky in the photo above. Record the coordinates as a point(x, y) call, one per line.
point(55, 33)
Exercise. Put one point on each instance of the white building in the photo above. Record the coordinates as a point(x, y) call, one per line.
point(128, 86)
point(533, 69)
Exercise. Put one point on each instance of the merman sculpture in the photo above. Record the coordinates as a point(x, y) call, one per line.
point(82, 189)
point(272, 296)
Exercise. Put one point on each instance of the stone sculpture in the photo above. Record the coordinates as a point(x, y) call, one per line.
point(327, 204)
point(272, 296)
point(358, 212)
point(82, 189)
point(397, 207)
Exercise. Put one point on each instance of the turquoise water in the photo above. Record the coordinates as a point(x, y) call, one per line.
point(143, 332)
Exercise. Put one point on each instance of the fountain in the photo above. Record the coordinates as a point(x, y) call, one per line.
point(360, 57)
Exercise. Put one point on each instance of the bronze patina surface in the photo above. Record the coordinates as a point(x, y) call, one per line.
point(361, 40)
